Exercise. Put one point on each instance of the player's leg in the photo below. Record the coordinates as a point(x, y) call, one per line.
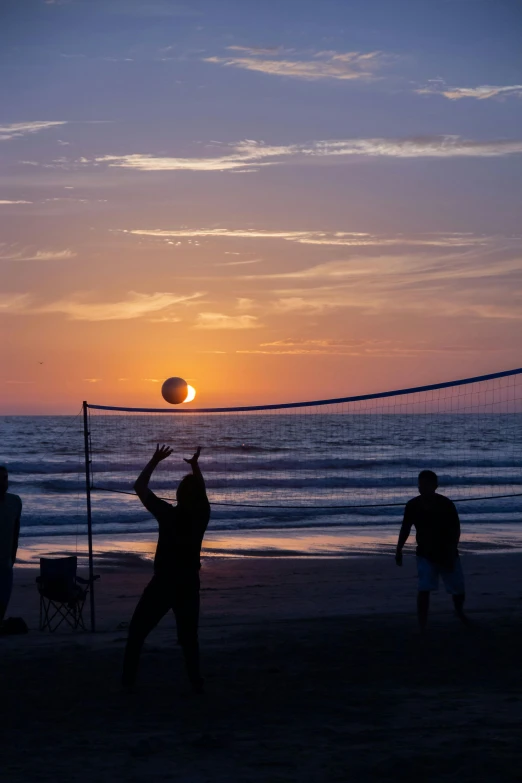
point(186, 610)
point(455, 586)
point(428, 580)
point(152, 606)
point(458, 603)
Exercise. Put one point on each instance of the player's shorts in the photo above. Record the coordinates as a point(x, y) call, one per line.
point(6, 584)
point(428, 574)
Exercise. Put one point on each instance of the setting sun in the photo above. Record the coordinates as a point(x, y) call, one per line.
point(190, 394)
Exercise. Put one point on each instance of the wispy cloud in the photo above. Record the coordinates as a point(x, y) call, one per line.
point(136, 305)
point(448, 274)
point(507, 311)
point(333, 347)
point(82, 307)
point(303, 303)
point(222, 321)
point(152, 163)
point(239, 263)
point(13, 303)
point(28, 254)
point(17, 129)
point(344, 66)
point(251, 155)
point(7, 201)
point(165, 319)
point(404, 269)
point(451, 285)
point(448, 146)
point(259, 50)
point(92, 380)
point(334, 238)
point(480, 93)
point(50, 255)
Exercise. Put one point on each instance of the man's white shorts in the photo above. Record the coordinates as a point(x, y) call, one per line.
point(429, 573)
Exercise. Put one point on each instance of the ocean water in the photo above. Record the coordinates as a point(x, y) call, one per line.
point(308, 483)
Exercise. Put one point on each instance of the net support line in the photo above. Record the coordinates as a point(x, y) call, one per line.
point(315, 403)
point(86, 434)
point(314, 507)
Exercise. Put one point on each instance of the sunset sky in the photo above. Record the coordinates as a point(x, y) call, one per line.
point(274, 200)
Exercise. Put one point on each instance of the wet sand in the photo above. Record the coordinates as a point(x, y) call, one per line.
point(314, 672)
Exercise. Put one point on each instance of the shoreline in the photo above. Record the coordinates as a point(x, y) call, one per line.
point(321, 543)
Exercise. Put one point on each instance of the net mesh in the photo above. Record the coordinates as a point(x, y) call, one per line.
point(359, 453)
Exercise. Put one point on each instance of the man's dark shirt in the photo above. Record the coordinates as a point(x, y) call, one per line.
point(181, 532)
point(437, 525)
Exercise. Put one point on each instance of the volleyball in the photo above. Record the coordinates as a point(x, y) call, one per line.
point(174, 391)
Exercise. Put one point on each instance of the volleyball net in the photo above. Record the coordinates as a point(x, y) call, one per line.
point(362, 452)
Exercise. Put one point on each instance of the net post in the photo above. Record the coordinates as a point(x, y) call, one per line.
point(89, 512)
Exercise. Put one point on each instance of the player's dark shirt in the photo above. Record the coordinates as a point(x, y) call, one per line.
point(181, 532)
point(437, 525)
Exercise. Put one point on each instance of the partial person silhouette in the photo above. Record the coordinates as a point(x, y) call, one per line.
point(10, 515)
point(175, 584)
point(437, 527)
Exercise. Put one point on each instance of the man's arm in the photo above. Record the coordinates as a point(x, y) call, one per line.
point(141, 485)
point(196, 470)
point(403, 535)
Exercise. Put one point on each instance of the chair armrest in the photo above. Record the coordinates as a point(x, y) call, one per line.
point(83, 581)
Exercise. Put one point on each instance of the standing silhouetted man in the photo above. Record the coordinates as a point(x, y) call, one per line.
point(437, 526)
point(10, 513)
point(175, 584)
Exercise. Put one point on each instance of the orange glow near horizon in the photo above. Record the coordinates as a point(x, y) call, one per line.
point(317, 329)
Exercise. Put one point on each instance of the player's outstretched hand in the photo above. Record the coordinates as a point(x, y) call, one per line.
point(193, 460)
point(398, 558)
point(161, 453)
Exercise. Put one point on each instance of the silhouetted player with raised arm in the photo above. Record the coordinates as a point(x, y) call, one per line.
point(175, 584)
point(437, 526)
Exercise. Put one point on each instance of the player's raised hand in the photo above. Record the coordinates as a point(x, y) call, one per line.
point(193, 460)
point(161, 453)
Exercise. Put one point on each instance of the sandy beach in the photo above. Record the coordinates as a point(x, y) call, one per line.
point(314, 671)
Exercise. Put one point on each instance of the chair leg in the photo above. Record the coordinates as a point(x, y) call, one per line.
point(46, 620)
point(61, 610)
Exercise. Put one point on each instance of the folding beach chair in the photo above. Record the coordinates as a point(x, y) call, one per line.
point(62, 593)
